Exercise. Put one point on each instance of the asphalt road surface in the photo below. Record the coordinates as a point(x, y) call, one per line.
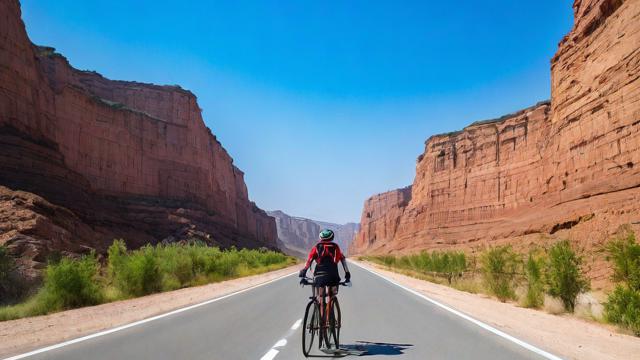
point(379, 318)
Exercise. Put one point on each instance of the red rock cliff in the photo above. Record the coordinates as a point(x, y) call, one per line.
point(118, 159)
point(569, 168)
point(380, 219)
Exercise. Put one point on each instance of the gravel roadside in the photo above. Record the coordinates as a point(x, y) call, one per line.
point(563, 335)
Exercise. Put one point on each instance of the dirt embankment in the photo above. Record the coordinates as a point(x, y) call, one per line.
point(19, 336)
point(563, 335)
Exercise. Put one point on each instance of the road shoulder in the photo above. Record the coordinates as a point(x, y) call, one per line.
point(568, 337)
point(22, 335)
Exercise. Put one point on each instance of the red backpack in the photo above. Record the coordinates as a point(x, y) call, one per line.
point(327, 251)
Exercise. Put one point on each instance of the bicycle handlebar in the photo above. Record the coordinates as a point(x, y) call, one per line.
point(309, 281)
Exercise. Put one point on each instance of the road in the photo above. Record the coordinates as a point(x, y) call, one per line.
point(263, 323)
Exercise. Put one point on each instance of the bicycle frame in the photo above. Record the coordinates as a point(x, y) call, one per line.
point(324, 307)
point(310, 281)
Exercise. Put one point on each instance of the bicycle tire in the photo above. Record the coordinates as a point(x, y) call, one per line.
point(335, 321)
point(322, 327)
point(310, 327)
point(332, 333)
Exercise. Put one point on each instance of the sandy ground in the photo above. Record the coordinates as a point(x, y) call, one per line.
point(566, 336)
point(22, 335)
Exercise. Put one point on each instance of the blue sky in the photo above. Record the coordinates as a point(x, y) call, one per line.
point(321, 103)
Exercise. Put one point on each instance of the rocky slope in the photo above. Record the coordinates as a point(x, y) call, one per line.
point(297, 235)
point(564, 169)
point(85, 159)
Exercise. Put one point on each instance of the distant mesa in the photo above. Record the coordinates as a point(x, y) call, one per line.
point(296, 235)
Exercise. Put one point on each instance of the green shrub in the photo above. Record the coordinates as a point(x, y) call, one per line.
point(228, 263)
point(623, 307)
point(175, 266)
point(116, 254)
point(68, 284)
point(447, 264)
point(198, 256)
point(388, 260)
point(168, 267)
point(499, 270)
point(624, 253)
point(564, 274)
point(533, 270)
point(136, 273)
point(623, 304)
point(71, 283)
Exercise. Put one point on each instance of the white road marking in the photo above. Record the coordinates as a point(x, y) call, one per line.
point(469, 318)
point(119, 328)
point(282, 342)
point(270, 355)
point(297, 324)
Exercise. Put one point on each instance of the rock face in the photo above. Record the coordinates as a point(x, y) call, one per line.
point(564, 169)
point(297, 235)
point(85, 159)
point(380, 219)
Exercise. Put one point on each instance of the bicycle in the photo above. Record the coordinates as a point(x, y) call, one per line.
point(327, 328)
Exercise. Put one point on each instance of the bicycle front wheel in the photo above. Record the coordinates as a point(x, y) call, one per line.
point(311, 326)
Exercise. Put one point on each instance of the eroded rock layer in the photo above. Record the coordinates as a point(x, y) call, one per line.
point(565, 169)
point(110, 159)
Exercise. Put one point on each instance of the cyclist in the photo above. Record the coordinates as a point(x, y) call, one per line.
point(327, 255)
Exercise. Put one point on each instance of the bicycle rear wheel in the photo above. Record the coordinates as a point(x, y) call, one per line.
point(311, 326)
point(335, 322)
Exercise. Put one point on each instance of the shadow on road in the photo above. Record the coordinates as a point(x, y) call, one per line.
point(365, 348)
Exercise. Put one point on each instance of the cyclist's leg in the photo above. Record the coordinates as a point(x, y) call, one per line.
point(331, 292)
point(320, 293)
point(327, 293)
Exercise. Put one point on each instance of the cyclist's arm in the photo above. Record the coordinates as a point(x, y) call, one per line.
point(344, 264)
point(312, 256)
point(343, 261)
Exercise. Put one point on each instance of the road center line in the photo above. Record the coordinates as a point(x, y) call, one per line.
point(280, 343)
point(140, 322)
point(271, 354)
point(487, 327)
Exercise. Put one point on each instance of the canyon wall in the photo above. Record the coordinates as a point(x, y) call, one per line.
point(380, 219)
point(345, 233)
point(297, 235)
point(85, 159)
point(568, 168)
